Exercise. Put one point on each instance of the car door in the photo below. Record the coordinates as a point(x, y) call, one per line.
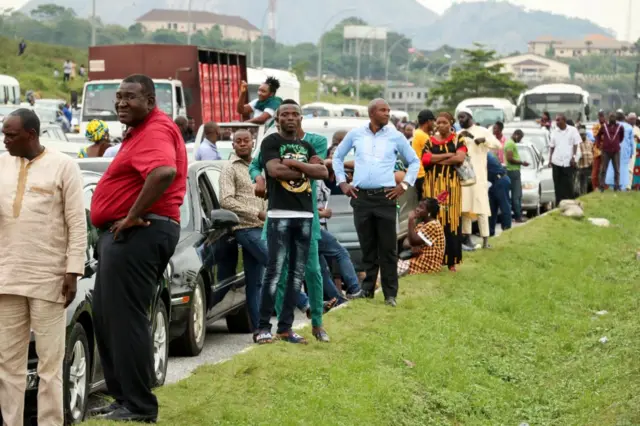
point(86, 283)
point(226, 273)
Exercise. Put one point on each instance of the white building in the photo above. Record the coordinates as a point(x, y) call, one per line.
point(595, 44)
point(531, 67)
point(407, 98)
point(232, 27)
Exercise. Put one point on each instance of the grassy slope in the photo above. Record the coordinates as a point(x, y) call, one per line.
point(511, 338)
point(308, 91)
point(34, 70)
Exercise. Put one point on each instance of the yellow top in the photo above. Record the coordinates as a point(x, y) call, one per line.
point(419, 140)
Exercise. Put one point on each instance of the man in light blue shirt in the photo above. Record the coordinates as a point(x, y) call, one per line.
point(374, 194)
point(207, 151)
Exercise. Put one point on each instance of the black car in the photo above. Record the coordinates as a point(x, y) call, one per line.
point(201, 294)
point(82, 372)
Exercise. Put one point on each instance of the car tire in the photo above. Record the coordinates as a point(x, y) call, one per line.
point(192, 341)
point(160, 343)
point(76, 375)
point(240, 321)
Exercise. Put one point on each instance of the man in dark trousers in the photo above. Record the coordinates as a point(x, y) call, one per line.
point(565, 140)
point(374, 194)
point(498, 194)
point(609, 139)
point(136, 206)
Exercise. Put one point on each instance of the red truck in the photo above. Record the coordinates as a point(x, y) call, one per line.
point(199, 82)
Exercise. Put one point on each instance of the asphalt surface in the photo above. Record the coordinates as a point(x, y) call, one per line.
point(220, 346)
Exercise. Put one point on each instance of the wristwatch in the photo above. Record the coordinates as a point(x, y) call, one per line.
point(404, 185)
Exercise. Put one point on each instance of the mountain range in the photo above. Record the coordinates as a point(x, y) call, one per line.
point(500, 25)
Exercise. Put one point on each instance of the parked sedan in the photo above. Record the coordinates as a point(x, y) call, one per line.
point(532, 179)
point(82, 371)
point(200, 294)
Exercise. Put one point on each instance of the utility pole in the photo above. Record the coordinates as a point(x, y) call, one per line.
point(188, 22)
point(93, 23)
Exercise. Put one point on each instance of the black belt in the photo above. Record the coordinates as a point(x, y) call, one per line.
point(152, 216)
point(149, 216)
point(373, 191)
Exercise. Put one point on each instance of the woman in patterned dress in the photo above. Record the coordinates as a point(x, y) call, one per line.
point(426, 239)
point(442, 153)
point(635, 184)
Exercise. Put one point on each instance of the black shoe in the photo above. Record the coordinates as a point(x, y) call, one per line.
point(100, 411)
point(123, 414)
point(357, 295)
point(391, 301)
point(368, 294)
point(320, 334)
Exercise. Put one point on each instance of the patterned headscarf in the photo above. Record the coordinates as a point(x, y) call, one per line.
point(96, 130)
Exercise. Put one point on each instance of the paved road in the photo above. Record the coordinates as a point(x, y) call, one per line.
point(220, 346)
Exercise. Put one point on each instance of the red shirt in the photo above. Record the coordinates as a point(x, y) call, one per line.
point(610, 137)
point(156, 142)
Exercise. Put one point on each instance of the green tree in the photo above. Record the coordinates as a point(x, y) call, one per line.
point(49, 12)
point(300, 69)
point(473, 78)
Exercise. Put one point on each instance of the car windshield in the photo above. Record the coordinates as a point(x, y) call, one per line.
point(566, 103)
point(99, 101)
point(48, 115)
point(486, 116)
point(316, 112)
point(526, 155)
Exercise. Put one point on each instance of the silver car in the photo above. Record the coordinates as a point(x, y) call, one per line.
point(533, 179)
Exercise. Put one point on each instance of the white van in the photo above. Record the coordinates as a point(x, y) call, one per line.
point(289, 84)
point(98, 103)
point(567, 99)
point(486, 111)
point(9, 90)
point(322, 109)
point(354, 110)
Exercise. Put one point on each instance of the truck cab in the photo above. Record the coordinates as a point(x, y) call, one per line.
point(99, 102)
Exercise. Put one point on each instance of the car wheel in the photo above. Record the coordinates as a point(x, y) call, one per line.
point(76, 375)
point(160, 334)
point(192, 341)
point(240, 322)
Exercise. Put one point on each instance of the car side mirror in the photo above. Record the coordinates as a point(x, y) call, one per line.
point(223, 219)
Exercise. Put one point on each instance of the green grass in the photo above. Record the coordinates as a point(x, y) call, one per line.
point(308, 94)
point(511, 338)
point(34, 69)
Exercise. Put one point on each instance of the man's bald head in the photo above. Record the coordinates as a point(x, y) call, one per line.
point(182, 123)
point(379, 112)
point(337, 137)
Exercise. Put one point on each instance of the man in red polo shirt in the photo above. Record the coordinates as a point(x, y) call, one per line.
point(136, 205)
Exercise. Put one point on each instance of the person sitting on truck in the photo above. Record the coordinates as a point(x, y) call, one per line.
point(98, 133)
point(264, 108)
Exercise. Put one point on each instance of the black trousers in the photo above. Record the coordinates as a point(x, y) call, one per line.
point(126, 282)
point(375, 218)
point(563, 183)
point(614, 159)
point(419, 185)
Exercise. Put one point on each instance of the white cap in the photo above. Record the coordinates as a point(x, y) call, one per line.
point(466, 111)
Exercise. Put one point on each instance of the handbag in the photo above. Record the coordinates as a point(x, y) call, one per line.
point(466, 173)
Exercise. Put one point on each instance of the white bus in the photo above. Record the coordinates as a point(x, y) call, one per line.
point(567, 99)
point(9, 90)
point(322, 109)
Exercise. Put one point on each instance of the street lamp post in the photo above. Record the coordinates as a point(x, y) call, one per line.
point(188, 22)
point(318, 90)
point(264, 18)
point(358, 52)
point(387, 61)
point(93, 23)
point(406, 98)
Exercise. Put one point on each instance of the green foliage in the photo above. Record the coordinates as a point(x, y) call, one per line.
point(473, 78)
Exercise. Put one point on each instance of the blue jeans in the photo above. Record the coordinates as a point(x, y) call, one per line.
point(330, 247)
point(516, 193)
point(290, 239)
point(499, 199)
point(255, 257)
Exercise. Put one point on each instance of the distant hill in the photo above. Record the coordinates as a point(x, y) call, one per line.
point(501, 25)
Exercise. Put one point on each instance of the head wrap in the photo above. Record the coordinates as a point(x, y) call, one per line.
point(96, 130)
